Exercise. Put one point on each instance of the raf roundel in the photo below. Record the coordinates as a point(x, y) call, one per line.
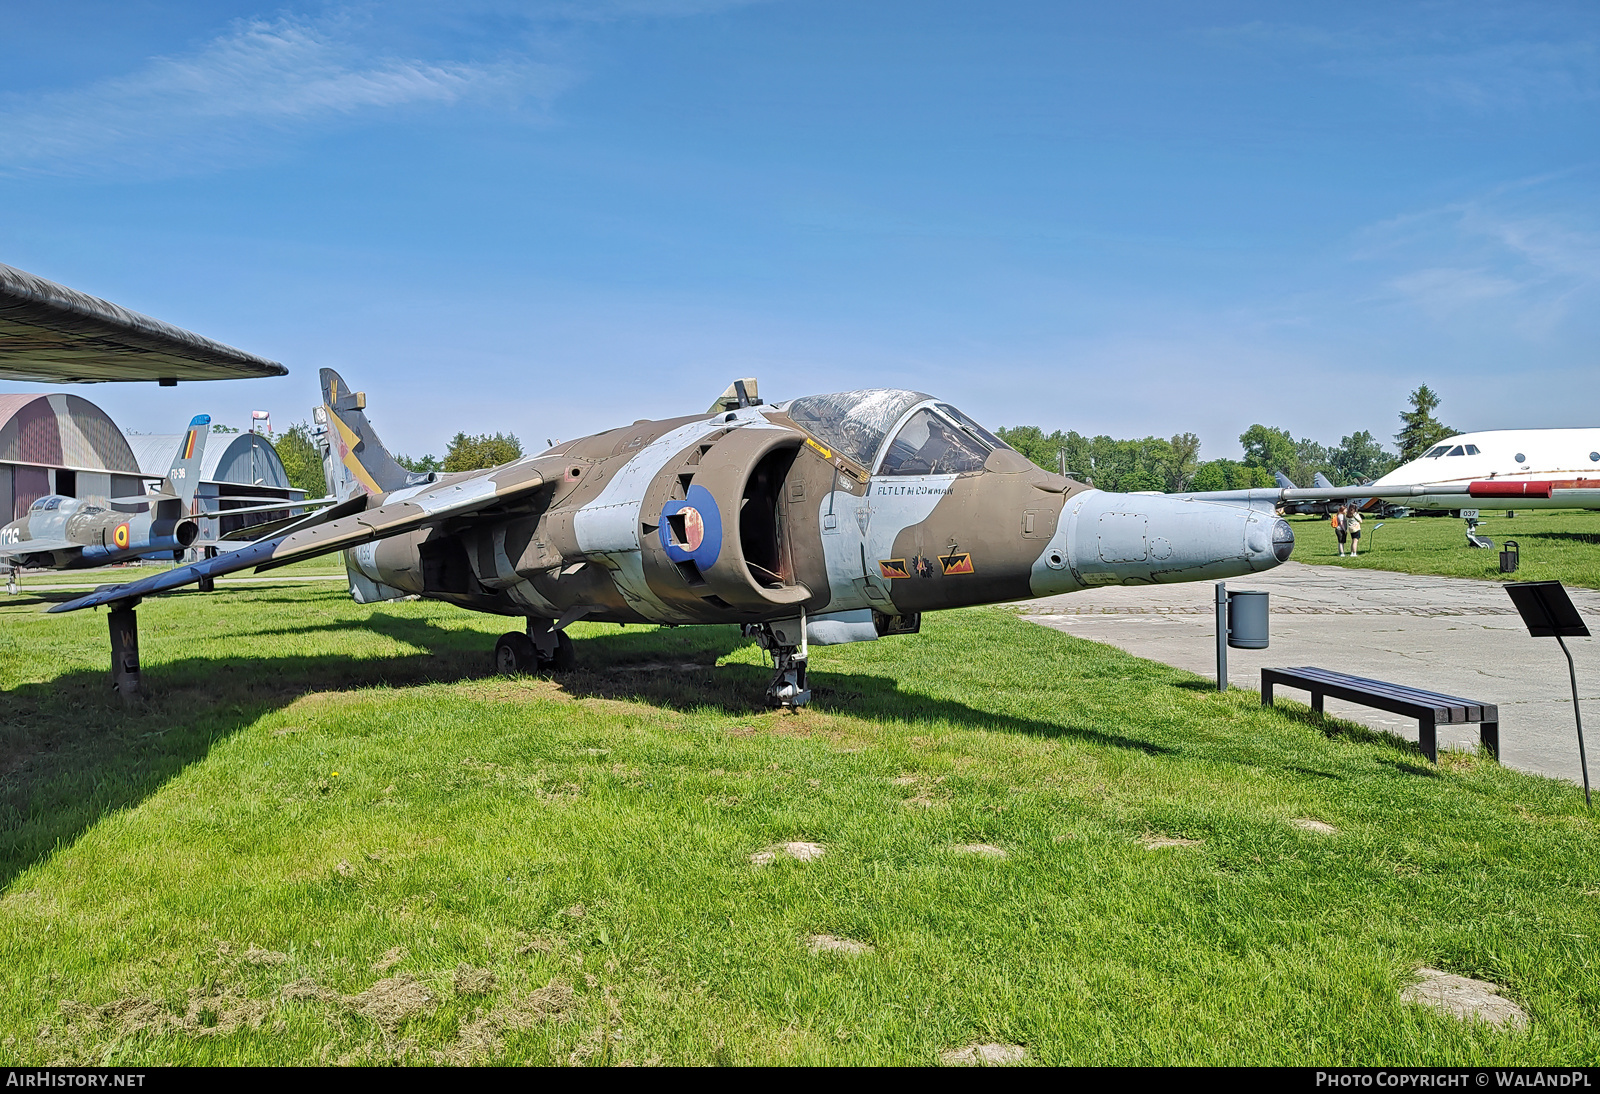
point(691, 529)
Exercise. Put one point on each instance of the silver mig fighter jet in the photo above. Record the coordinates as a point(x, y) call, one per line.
point(823, 519)
point(64, 533)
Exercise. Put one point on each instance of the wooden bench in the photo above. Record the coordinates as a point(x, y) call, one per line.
point(1429, 708)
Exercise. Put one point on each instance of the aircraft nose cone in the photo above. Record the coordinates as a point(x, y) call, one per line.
point(1282, 540)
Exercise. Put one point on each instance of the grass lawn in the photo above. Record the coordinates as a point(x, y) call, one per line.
point(331, 836)
point(1556, 545)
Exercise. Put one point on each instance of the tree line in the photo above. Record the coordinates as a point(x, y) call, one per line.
point(467, 452)
point(1173, 464)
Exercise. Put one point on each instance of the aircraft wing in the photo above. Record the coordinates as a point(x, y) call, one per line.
point(57, 335)
point(38, 547)
point(1487, 488)
point(462, 499)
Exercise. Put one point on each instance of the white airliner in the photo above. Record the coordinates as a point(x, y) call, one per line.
point(1501, 469)
point(1493, 469)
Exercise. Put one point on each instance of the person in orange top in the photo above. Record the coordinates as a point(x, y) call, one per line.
point(1337, 520)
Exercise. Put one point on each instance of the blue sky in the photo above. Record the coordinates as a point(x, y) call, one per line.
point(551, 218)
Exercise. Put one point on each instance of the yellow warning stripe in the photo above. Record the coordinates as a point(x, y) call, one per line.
point(350, 461)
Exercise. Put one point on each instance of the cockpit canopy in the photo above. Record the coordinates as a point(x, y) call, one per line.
point(49, 501)
point(1451, 450)
point(932, 438)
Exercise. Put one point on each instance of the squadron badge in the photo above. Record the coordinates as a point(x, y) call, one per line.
point(956, 563)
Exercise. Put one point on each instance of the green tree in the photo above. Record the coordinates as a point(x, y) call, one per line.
point(1309, 458)
point(301, 460)
point(1148, 463)
point(1185, 459)
point(468, 453)
point(1420, 430)
point(218, 427)
point(1212, 475)
point(429, 462)
point(1269, 449)
point(1359, 458)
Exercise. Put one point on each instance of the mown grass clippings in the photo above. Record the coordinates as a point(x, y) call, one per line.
point(558, 870)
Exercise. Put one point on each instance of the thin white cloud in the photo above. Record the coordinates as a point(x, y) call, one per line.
point(221, 103)
point(1482, 65)
point(1480, 262)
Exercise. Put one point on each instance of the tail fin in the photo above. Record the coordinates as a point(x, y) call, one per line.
point(353, 457)
point(1319, 479)
point(183, 479)
point(1284, 482)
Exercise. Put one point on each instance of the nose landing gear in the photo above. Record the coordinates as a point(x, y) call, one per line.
point(786, 641)
point(1473, 538)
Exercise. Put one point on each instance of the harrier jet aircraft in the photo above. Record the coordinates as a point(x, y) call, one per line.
point(823, 519)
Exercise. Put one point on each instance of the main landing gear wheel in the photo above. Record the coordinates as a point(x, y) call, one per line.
point(523, 655)
point(514, 655)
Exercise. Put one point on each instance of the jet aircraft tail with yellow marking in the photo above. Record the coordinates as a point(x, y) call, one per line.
point(355, 459)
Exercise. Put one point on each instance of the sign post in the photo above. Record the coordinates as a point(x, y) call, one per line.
point(1222, 636)
point(1549, 613)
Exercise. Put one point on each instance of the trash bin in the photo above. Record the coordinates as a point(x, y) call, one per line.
point(1247, 619)
point(1510, 557)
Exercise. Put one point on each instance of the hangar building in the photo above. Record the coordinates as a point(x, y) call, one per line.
point(235, 466)
point(61, 444)
point(64, 444)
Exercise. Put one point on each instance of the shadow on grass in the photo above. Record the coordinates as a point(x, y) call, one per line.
point(1587, 538)
point(1329, 726)
point(71, 753)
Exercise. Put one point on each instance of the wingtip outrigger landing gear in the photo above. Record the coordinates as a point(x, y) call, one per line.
point(125, 650)
point(786, 640)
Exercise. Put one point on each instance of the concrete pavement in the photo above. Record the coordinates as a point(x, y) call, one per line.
point(1444, 634)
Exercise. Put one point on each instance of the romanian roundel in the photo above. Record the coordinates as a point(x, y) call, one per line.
point(691, 530)
point(120, 536)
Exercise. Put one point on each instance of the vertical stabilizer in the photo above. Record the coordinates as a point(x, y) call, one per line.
point(183, 479)
point(355, 459)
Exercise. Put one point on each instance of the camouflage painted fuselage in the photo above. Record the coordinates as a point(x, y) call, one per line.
point(752, 516)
